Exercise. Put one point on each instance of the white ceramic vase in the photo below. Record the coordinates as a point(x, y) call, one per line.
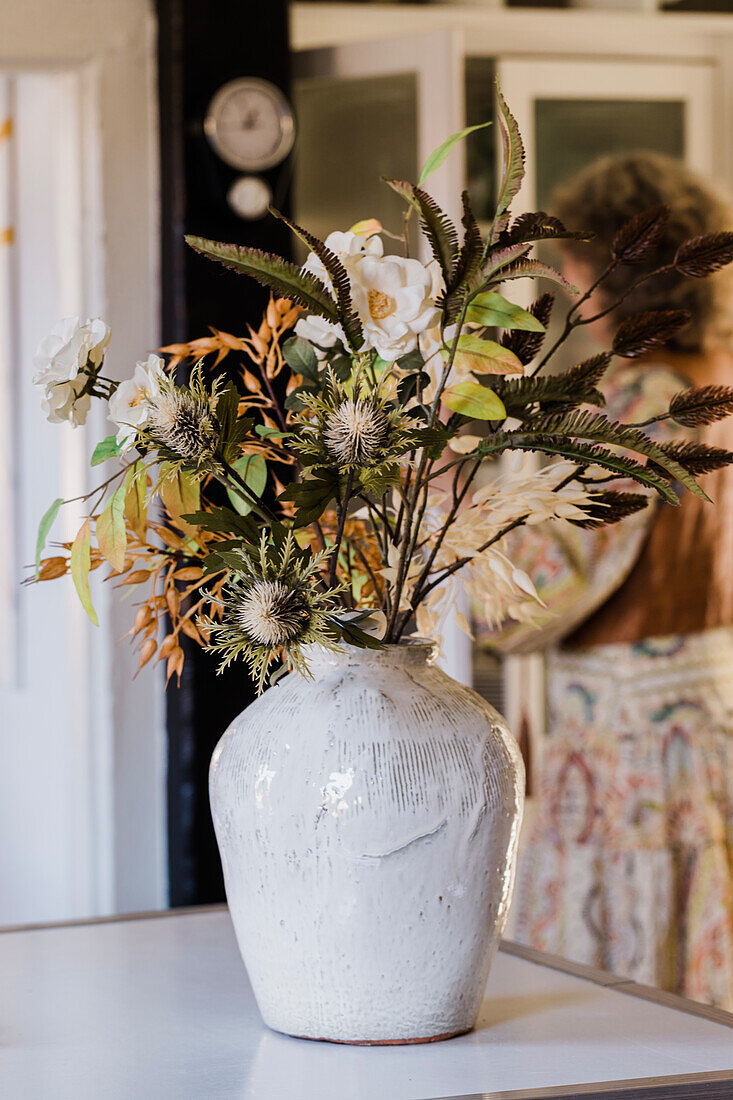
point(368, 821)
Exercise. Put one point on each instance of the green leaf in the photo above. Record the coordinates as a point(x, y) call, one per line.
point(280, 275)
point(44, 527)
point(223, 521)
point(108, 448)
point(312, 495)
point(494, 311)
point(80, 562)
point(111, 531)
point(475, 401)
point(485, 357)
point(253, 470)
point(439, 155)
point(301, 358)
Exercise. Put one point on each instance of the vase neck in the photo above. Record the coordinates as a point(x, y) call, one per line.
point(411, 653)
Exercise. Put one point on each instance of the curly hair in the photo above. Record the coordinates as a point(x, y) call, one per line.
point(609, 192)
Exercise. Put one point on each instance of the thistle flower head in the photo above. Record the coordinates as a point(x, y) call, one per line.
point(181, 420)
point(273, 605)
point(355, 432)
point(272, 613)
point(358, 426)
point(183, 423)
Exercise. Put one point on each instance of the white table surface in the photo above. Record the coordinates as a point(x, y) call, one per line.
point(161, 1008)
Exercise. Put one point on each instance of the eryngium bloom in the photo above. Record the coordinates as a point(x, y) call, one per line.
point(182, 422)
point(364, 429)
point(355, 432)
point(273, 613)
point(273, 604)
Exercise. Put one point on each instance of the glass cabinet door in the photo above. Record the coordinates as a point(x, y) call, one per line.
point(570, 112)
point(370, 109)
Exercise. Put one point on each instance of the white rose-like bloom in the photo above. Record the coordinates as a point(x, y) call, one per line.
point(393, 297)
point(61, 362)
point(348, 247)
point(130, 404)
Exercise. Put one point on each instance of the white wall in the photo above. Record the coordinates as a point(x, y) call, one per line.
point(82, 809)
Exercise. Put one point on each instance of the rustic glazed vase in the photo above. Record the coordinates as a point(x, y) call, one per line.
point(368, 823)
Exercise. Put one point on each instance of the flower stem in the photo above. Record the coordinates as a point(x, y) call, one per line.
point(342, 510)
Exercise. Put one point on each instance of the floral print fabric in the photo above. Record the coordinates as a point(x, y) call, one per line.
point(629, 861)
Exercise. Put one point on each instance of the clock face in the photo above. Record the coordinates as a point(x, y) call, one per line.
point(250, 124)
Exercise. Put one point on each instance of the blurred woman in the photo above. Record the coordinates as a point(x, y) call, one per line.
point(628, 862)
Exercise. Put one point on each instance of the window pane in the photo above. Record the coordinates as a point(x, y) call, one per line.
point(350, 134)
point(572, 133)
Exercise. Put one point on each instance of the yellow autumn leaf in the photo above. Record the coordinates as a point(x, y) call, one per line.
point(111, 532)
point(80, 563)
point(136, 508)
point(485, 357)
point(181, 495)
point(366, 228)
point(474, 400)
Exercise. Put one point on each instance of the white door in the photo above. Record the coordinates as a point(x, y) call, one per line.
point(81, 746)
point(372, 109)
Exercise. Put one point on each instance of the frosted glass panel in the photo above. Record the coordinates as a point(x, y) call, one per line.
point(481, 164)
point(351, 132)
point(571, 133)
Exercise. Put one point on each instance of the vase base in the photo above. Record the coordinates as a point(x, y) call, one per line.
point(385, 1042)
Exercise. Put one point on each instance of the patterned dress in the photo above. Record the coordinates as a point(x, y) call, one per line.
point(626, 862)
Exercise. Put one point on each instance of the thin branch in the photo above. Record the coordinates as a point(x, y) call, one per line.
point(343, 507)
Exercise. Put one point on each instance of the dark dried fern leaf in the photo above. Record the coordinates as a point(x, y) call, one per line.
point(526, 345)
point(701, 256)
point(701, 405)
point(272, 271)
point(643, 331)
point(339, 279)
point(538, 226)
point(698, 458)
point(638, 238)
point(555, 392)
point(469, 257)
point(610, 506)
point(585, 454)
point(594, 427)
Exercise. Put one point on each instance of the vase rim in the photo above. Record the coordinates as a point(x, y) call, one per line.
point(409, 652)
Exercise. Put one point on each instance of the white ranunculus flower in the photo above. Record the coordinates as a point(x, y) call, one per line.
point(129, 405)
point(64, 360)
point(348, 247)
point(393, 297)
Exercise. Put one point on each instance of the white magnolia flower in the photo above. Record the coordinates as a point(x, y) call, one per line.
point(320, 333)
point(64, 361)
point(131, 403)
point(393, 297)
point(348, 247)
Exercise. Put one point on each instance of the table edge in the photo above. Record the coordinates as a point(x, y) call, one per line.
point(684, 1086)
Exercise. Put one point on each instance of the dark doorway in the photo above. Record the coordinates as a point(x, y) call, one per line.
point(202, 45)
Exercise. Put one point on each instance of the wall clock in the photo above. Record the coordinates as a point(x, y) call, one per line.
point(250, 124)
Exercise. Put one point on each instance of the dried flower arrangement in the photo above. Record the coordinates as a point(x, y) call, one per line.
point(342, 439)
